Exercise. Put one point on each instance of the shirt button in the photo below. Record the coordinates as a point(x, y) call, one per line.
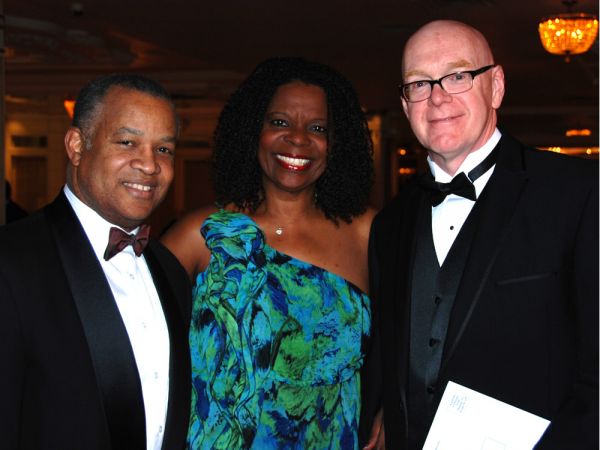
point(156, 375)
point(430, 389)
point(160, 429)
point(437, 300)
point(433, 342)
point(132, 276)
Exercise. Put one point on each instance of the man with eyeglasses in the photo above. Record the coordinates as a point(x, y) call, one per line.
point(485, 270)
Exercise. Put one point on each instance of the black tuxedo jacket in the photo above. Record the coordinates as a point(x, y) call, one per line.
point(524, 325)
point(68, 377)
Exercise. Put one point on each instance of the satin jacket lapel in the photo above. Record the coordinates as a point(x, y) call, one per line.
point(110, 349)
point(176, 426)
point(499, 201)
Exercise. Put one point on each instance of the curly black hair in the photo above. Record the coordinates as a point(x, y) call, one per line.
point(342, 191)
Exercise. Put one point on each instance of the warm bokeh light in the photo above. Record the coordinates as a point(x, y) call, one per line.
point(402, 151)
point(407, 171)
point(580, 132)
point(573, 151)
point(568, 34)
point(69, 107)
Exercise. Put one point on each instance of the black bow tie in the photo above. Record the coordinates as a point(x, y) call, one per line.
point(461, 184)
point(119, 239)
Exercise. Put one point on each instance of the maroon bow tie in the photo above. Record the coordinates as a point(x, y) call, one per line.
point(119, 239)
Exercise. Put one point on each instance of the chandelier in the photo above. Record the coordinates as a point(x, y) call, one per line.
point(569, 33)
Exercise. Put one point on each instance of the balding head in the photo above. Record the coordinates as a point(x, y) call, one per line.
point(440, 31)
point(450, 126)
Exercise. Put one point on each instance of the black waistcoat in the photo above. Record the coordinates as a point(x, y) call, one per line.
point(432, 297)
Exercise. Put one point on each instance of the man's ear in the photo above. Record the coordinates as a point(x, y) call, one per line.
point(497, 86)
point(74, 144)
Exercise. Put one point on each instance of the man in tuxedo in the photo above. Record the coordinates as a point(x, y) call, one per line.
point(485, 271)
point(94, 322)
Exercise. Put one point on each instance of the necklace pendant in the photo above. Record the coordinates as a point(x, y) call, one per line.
point(279, 231)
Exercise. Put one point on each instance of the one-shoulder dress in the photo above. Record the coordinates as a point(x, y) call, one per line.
point(276, 346)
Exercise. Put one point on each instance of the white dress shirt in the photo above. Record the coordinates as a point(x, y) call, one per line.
point(448, 217)
point(138, 302)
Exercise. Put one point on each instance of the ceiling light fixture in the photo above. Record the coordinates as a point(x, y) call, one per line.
point(569, 33)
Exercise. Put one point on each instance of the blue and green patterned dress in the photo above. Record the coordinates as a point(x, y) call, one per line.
point(276, 347)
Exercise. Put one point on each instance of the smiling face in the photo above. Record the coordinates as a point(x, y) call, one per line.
point(293, 143)
point(122, 167)
point(450, 126)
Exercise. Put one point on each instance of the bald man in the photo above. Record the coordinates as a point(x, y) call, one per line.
point(484, 271)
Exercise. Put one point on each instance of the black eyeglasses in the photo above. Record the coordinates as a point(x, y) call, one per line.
point(454, 83)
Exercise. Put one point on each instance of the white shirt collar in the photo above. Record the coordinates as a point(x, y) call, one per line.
point(95, 226)
point(470, 162)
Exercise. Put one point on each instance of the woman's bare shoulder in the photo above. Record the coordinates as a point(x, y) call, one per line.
point(186, 242)
point(187, 225)
point(363, 222)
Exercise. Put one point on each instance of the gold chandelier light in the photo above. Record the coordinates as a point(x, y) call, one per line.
point(569, 33)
